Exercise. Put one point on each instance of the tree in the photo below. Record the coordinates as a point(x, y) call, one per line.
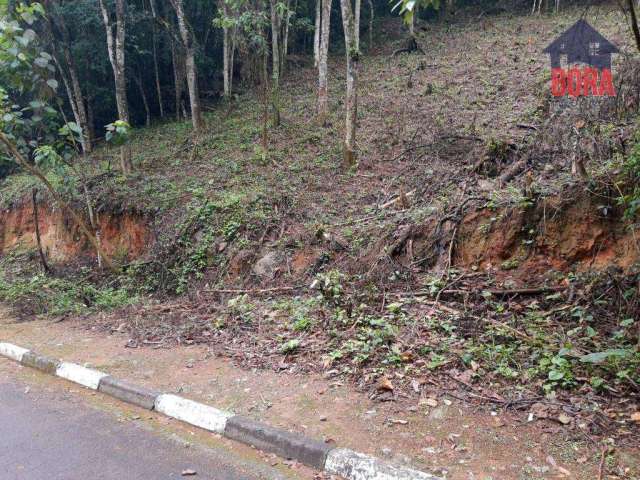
point(351, 42)
point(276, 25)
point(25, 67)
point(323, 57)
point(229, 22)
point(116, 49)
point(68, 71)
point(190, 65)
point(634, 23)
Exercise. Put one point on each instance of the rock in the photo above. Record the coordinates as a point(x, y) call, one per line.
point(438, 413)
point(269, 264)
point(432, 402)
point(564, 419)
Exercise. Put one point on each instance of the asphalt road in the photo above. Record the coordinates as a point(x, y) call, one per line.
point(53, 435)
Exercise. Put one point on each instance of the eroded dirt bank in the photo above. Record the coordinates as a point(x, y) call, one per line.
point(123, 235)
point(555, 233)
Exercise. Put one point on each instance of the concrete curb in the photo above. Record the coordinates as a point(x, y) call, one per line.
point(336, 461)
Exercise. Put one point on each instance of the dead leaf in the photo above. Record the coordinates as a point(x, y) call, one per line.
point(564, 419)
point(635, 417)
point(385, 384)
point(580, 124)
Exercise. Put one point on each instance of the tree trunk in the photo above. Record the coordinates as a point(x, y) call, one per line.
point(323, 99)
point(351, 101)
point(36, 221)
point(275, 64)
point(285, 37)
point(356, 21)
point(316, 34)
point(115, 47)
point(178, 77)
point(69, 74)
point(145, 102)
point(372, 13)
point(190, 65)
point(634, 23)
point(156, 69)
point(226, 57)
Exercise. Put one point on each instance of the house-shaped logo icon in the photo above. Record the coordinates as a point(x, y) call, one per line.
point(582, 44)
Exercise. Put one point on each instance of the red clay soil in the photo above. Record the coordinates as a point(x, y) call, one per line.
point(122, 235)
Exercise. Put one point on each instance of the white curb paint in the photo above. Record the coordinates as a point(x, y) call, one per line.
point(78, 374)
point(195, 413)
point(12, 351)
point(357, 466)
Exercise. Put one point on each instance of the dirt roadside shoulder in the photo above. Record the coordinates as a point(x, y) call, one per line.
point(438, 434)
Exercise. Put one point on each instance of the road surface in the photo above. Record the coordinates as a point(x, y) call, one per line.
point(51, 433)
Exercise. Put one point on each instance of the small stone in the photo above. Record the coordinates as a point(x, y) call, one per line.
point(564, 419)
point(189, 473)
point(432, 402)
point(323, 418)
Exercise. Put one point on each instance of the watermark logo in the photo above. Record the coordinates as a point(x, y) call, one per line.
point(587, 56)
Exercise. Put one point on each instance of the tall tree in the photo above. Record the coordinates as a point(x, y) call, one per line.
point(323, 57)
point(67, 69)
point(276, 21)
point(316, 33)
point(351, 103)
point(156, 69)
point(116, 49)
point(190, 65)
point(634, 22)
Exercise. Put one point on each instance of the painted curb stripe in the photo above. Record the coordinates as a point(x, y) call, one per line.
point(82, 375)
point(12, 351)
point(357, 466)
point(194, 413)
point(339, 461)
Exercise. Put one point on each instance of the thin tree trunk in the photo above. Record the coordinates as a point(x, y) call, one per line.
point(226, 57)
point(157, 72)
point(190, 65)
point(115, 47)
point(634, 23)
point(36, 221)
point(69, 74)
point(265, 101)
point(323, 94)
point(372, 13)
point(178, 77)
point(144, 101)
point(275, 64)
point(156, 69)
point(35, 171)
point(316, 34)
point(351, 102)
point(356, 21)
point(285, 37)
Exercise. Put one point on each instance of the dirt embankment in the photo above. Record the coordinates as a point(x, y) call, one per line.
point(123, 235)
point(555, 233)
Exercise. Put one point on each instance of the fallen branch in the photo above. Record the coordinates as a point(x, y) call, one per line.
point(254, 291)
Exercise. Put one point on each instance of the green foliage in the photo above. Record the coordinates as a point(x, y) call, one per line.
point(118, 132)
point(42, 294)
point(27, 82)
point(631, 201)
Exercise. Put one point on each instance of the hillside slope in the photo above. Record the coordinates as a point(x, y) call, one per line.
point(411, 264)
